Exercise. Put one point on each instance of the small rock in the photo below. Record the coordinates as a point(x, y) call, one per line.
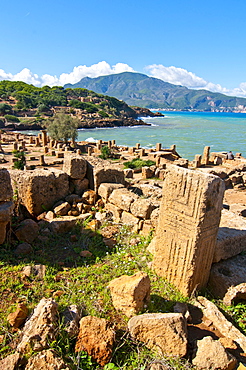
point(89, 197)
point(11, 362)
point(73, 238)
point(47, 360)
point(96, 338)
point(85, 254)
point(162, 332)
point(72, 315)
point(62, 209)
point(210, 354)
point(130, 293)
point(17, 318)
point(57, 293)
point(235, 293)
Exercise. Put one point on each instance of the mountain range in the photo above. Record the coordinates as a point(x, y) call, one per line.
point(137, 89)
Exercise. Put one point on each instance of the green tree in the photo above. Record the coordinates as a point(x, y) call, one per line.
point(5, 108)
point(62, 127)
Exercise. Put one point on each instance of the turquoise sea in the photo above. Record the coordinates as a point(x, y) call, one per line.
point(190, 131)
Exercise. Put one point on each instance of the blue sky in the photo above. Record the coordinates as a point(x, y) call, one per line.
point(199, 44)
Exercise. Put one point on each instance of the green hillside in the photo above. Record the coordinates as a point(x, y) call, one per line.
point(140, 90)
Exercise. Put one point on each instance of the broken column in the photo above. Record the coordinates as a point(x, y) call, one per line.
point(158, 147)
point(205, 155)
point(44, 137)
point(187, 229)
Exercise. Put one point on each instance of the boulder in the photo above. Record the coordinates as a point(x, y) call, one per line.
point(231, 238)
point(23, 249)
point(40, 330)
point(128, 219)
point(75, 166)
point(115, 211)
point(226, 274)
point(6, 191)
point(122, 198)
point(47, 360)
point(39, 190)
point(105, 189)
point(17, 318)
point(27, 231)
point(162, 332)
point(37, 271)
point(96, 338)
point(130, 294)
point(225, 327)
point(210, 354)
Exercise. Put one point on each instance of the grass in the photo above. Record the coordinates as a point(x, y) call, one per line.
point(138, 163)
point(83, 281)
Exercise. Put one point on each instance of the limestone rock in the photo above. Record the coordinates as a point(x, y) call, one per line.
point(62, 209)
point(128, 219)
point(10, 362)
point(39, 330)
point(225, 327)
point(39, 190)
point(114, 211)
point(122, 198)
point(6, 191)
point(75, 166)
point(162, 332)
point(130, 293)
point(17, 317)
point(89, 197)
point(37, 271)
point(187, 227)
point(147, 173)
point(72, 315)
point(235, 293)
point(231, 238)
point(96, 338)
point(27, 231)
point(46, 360)
point(210, 354)
point(226, 274)
point(105, 189)
point(141, 208)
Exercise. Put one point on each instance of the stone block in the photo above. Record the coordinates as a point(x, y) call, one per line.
point(80, 185)
point(187, 228)
point(115, 211)
point(141, 208)
point(39, 190)
point(231, 238)
point(128, 219)
point(6, 191)
point(147, 173)
point(75, 166)
point(122, 198)
point(27, 231)
point(165, 333)
point(225, 274)
point(105, 189)
point(62, 209)
point(130, 293)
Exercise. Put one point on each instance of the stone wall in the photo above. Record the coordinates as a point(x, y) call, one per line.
point(6, 203)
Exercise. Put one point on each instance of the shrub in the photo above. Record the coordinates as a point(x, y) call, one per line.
point(105, 152)
point(138, 163)
point(10, 118)
point(20, 163)
point(103, 114)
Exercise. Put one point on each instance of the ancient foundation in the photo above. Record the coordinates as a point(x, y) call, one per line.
point(187, 229)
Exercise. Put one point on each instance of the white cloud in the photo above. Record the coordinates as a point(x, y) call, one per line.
point(95, 70)
point(180, 76)
point(174, 75)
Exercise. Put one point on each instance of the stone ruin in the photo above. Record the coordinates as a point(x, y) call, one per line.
point(187, 228)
